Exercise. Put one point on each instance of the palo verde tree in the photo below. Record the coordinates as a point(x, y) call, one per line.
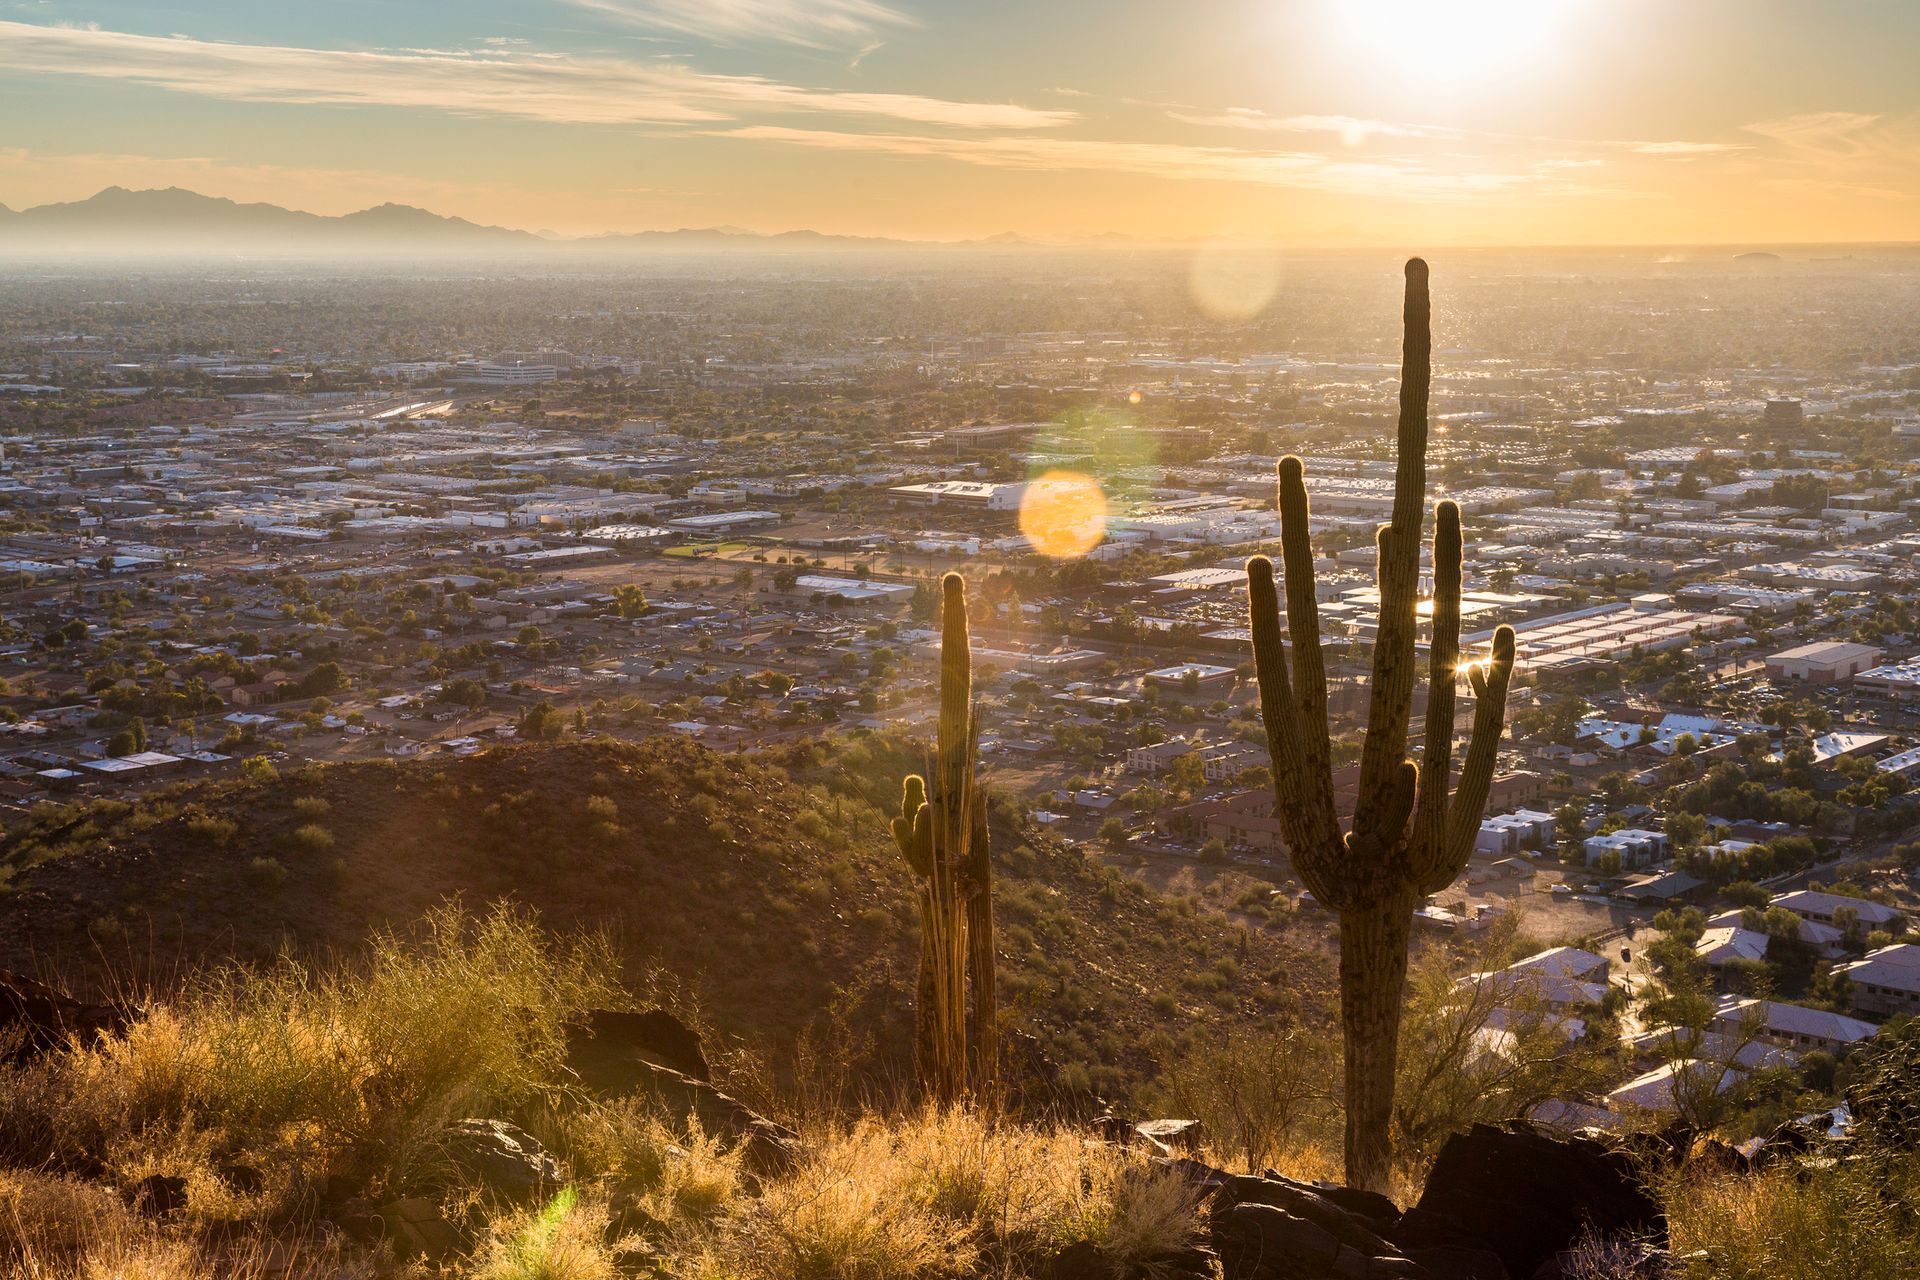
point(942, 834)
point(1407, 838)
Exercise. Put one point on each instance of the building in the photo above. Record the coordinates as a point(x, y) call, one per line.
point(1811, 904)
point(1784, 413)
point(1793, 1026)
point(1885, 982)
point(1193, 676)
point(979, 494)
point(1725, 944)
point(1829, 662)
point(513, 373)
point(1636, 847)
point(724, 521)
point(1508, 833)
point(1897, 681)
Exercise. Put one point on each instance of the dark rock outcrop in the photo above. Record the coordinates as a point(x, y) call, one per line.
point(36, 1019)
point(606, 1047)
point(1500, 1204)
point(1527, 1196)
point(618, 1055)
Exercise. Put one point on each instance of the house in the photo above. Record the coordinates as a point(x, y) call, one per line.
point(1812, 904)
point(1887, 981)
point(1669, 886)
point(1724, 944)
point(1823, 938)
point(1793, 1026)
point(1655, 1091)
point(1565, 962)
point(1635, 846)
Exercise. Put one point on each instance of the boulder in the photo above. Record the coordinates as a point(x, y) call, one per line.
point(1527, 1197)
point(1168, 1136)
point(35, 1018)
point(418, 1229)
point(1257, 1239)
point(508, 1159)
point(768, 1147)
point(1457, 1262)
point(160, 1195)
point(608, 1048)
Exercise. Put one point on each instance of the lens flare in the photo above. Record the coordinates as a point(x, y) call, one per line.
point(1063, 514)
point(1233, 282)
point(1134, 397)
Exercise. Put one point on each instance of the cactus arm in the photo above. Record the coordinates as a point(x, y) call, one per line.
point(1436, 757)
point(1309, 842)
point(1309, 660)
point(1476, 773)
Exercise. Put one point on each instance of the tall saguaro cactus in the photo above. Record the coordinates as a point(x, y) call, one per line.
point(942, 833)
point(1408, 837)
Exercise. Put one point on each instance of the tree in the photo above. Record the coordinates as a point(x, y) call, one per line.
point(1408, 837)
point(542, 720)
point(1113, 834)
point(629, 600)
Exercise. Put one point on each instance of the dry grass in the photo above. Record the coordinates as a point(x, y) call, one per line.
point(680, 1174)
point(562, 1240)
point(1858, 1219)
point(948, 1195)
point(298, 1074)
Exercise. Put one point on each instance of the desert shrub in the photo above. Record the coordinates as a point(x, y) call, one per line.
point(1856, 1218)
point(207, 828)
point(47, 1221)
point(310, 839)
point(353, 1068)
point(679, 1173)
point(311, 808)
point(947, 1195)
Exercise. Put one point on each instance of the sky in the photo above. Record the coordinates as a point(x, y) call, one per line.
point(1295, 122)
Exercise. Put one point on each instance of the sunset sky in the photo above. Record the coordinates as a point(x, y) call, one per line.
point(1306, 122)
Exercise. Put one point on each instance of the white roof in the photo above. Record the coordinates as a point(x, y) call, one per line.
point(1798, 1020)
point(1724, 943)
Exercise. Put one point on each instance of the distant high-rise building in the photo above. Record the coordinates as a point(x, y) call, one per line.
point(1784, 411)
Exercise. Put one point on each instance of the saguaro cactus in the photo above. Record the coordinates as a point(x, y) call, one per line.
point(1408, 837)
point(942, 833)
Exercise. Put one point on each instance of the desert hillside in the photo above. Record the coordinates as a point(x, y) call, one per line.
point(762, 890)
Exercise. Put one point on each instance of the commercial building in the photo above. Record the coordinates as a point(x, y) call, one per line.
point(1829, 662)
point(1636, 847)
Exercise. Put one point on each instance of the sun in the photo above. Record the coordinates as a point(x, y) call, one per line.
point(1450, 43)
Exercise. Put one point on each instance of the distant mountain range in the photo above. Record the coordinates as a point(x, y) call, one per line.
point(175, 220)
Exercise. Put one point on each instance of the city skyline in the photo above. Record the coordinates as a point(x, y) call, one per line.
point(1370, 122)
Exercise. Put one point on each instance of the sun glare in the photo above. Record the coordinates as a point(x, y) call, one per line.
point(1064, 514)
point(1450, 42)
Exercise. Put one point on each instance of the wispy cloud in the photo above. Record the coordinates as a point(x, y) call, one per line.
point(1837, 134)
point(814, 23)
point(1681, 150)
point(492, 81)
point(1351, 130)
point(1391, 177)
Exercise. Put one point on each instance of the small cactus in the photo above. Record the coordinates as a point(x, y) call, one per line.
point(1408, 837)
point(941, 832)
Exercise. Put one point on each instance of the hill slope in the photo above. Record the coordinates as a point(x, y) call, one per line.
point(766, 885)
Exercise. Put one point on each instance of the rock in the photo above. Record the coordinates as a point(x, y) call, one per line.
point(160, 1194)
point(509, 1160)
point(1455, 1262)
point(1371, 1205)
point(241, 1178)
point(768, 1147)
point(1081, 1260)
point(1168, 1136)
point(1252, 1238)
point(417, 1228)
point(609, 1047)
point(1527, 1197)
point(36, 1019)
point(1303, 1201)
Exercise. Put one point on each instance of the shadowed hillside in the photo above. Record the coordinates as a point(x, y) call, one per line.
point(766, 887)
